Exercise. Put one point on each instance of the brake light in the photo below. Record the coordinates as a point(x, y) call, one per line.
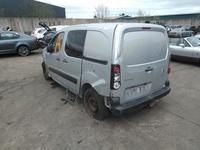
point(169, 68)
point(33, 31)
point(175, 32)
point(35, 40)
point(146, 28)
point(115, 81)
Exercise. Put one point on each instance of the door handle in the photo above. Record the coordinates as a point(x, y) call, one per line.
point(149, 69)
point(65, 61)
point(58, 59)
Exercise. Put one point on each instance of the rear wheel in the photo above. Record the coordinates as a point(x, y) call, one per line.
point(23, 50)
point(94, 105)
point(181, 35)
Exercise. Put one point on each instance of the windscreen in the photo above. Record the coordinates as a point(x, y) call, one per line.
point(143, 47)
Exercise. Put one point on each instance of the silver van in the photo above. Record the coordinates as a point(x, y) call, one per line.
point(112, 66)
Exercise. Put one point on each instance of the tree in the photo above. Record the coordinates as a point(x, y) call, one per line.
point(35, 9)
point(44, 10)
point(122, 14)
point(141, 13)
point(156, 18)
point(1, 12)
point(101, 11)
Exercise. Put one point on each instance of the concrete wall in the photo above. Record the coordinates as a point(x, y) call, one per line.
point(26, 25)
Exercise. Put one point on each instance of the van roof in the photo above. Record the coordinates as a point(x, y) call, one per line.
point(113, 25)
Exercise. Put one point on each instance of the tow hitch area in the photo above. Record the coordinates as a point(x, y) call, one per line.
point(151, 105)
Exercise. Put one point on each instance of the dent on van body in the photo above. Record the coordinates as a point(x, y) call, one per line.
point(97, 83)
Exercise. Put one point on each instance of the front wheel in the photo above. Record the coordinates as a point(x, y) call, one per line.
point(45, 73)
point(94, 105)
point(23, 50)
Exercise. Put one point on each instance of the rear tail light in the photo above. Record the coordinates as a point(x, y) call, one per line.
point(33, 32)
point(169, 68)
point(35, 40)
point(175, 32)
point(115, 81)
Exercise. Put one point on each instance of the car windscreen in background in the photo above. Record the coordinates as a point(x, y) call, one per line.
point(143, 47)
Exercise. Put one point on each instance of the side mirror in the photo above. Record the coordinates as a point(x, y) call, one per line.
point(182, 45)
point(50, 48)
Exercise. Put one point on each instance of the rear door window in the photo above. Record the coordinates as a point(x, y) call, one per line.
point(144, 47)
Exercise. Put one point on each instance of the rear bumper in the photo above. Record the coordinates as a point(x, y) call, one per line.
point(139, 103)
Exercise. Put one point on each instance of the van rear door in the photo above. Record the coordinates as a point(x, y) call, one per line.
point(144, 62)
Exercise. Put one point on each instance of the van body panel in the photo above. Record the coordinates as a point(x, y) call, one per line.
point(143, 55)
point(71, 66)
point(141, 50)
point(97, 59)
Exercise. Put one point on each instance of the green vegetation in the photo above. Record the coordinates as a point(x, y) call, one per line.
point(1, 12)
point(34, 9)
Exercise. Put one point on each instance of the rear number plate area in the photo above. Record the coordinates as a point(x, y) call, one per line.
point(138, 90)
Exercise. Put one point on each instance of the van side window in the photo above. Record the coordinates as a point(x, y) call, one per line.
point(75, 43)
point(57, 42)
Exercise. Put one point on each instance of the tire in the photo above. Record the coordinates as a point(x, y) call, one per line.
point(192, 34)
point(181, 35)
point(23, 51)
point(45, 73)
point(94, 105)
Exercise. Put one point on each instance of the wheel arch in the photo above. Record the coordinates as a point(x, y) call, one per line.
point(84, 88)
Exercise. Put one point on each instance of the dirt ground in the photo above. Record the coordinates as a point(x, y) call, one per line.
point(34, 117)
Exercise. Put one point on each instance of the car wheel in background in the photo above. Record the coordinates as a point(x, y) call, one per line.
point(192, 34)
point(23, 50)
point(181, 35)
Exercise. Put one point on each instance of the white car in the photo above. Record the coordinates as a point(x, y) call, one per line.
point(39, 32)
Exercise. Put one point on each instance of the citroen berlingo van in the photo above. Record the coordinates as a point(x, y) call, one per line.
point(112, 66)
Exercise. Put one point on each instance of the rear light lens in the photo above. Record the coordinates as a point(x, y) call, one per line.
point(33, 32)
point(35, 40)
point(115, 81)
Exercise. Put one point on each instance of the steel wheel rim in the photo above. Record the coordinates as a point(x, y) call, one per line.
point(23, 51)
point(92, 105)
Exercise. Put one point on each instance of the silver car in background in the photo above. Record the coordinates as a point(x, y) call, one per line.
point(180, 32)
point(197, 36)
point(187, 49)
point(15, 42)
